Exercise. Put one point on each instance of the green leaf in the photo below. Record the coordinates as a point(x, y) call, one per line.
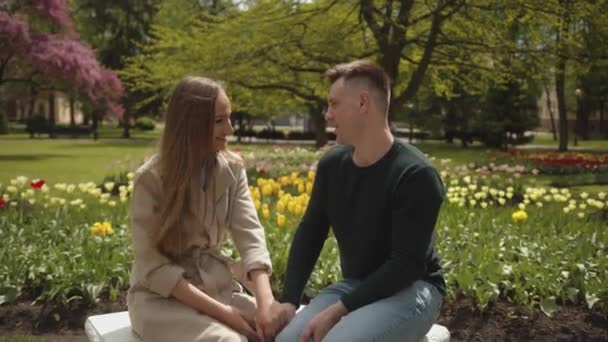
point(8, 295)
point(573, 294)
point(548, 306)
point(591, 300)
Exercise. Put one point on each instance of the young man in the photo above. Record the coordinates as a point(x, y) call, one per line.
point(381, 197)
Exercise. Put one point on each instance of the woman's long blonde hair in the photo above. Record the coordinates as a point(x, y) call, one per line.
point(186, 148)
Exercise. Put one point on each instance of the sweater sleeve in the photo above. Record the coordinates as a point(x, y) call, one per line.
point(308, 240)
point(414, 210)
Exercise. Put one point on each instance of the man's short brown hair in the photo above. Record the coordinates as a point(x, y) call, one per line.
point(362, 69)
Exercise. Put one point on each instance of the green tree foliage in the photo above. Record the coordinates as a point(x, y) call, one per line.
point(592, 81)
point(118, 29)
point(273, 53)
point(284, 47)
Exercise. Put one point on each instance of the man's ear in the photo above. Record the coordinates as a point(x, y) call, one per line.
point(364, 101)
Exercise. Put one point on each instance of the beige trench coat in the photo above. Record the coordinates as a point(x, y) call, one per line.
point(155, 315)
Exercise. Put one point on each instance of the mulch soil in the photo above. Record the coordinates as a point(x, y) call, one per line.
point(500, 322)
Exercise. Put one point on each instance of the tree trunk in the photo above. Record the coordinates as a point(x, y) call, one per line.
point(72, 114)
point(577, 120)
point(95, 116)
point(52, 114)
point(584, 118)
point(21, 107)
point(126, 118)
point(411, 124)
point(126, 122)
point(560, 81)
point(32, 104)
point(448, 123)
point(550, 110)
point(603, 130)
point(238, 116)
point(319, 124)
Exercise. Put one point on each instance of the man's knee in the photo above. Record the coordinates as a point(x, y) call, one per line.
point(290, 333)
point(285, 336)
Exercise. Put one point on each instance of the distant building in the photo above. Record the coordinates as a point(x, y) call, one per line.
point(547, 107)
point(18, 109)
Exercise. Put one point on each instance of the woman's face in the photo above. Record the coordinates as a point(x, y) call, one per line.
point(222, 127)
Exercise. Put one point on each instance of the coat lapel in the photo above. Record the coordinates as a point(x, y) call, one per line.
point(224, 178)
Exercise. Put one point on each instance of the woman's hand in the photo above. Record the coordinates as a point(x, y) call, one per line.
point(237, 320)
point(271, 317)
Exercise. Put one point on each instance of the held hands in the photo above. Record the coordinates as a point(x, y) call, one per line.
point(322, 323)
point(238, 321)
point(271, 318)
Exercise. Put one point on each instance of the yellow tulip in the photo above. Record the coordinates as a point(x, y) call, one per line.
point(298, 210)
point(291, 207)
point(519, 216)
point(281, 207)
point(311, 175)
point(267, 189)
point(280, 220)
point(308, 188)
point(102, 229)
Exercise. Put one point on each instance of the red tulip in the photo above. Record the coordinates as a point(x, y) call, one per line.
point(37, 184)
point(2, 203)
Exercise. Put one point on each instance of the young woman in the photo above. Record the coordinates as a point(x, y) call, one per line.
point(186, 201)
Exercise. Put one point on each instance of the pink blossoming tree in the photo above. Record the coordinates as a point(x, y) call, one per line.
point(39, 46)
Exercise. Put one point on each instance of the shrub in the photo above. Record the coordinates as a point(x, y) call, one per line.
point(36, 125)
point(145, 124)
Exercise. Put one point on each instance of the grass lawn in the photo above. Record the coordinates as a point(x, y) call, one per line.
point(475, 153)
point(83, 159)
point(69, 160)
point(23, 339)
point(78, 160)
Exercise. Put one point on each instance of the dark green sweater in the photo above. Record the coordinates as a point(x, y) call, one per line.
point(383, 217)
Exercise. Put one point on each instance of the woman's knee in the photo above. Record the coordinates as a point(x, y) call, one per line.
point(225, 335)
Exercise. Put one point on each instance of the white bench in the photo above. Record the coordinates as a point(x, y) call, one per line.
point(116, 327)
point(112, 327)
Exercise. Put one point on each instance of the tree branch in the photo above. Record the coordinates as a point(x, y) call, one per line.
point(282, 86)
point(294, 68)
point(3, 66)
point(427, 55)
point(367, 13)
point(18, 80)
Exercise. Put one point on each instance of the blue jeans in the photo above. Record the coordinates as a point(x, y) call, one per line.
point(406, 316)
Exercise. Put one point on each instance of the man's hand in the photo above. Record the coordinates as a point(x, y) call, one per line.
point(322, 323)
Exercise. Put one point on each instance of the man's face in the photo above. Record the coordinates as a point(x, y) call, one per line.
point(343, 112)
